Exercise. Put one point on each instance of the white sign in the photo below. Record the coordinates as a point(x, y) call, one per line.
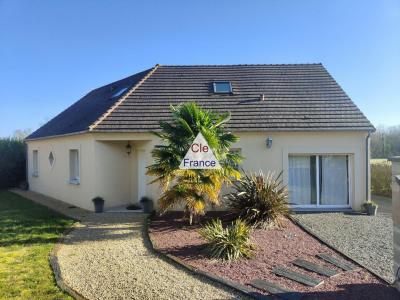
point(199, 156)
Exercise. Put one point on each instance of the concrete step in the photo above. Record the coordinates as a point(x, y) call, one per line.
point(337, 262)
point(296, 276)
point(276, 290)
point(315, 268)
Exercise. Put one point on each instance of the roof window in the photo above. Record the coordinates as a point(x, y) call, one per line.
point(222, 87)
point(119, 92)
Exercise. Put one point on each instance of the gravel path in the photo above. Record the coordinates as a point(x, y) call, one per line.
point(107, 257)
point(366, 239)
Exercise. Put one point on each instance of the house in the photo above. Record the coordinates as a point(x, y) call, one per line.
point(293, 118)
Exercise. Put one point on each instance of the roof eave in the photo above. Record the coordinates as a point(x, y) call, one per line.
point(55, 136)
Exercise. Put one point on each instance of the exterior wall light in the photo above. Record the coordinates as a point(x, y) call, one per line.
point(268, 142)
point(128, 148)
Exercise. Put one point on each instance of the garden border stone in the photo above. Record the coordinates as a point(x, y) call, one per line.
point(225, 282)
point(56, 267)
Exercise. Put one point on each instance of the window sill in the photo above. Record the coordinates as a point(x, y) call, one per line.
point(35, 175)
point(74, 182)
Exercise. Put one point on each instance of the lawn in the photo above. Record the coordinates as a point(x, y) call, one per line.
point(28, 232)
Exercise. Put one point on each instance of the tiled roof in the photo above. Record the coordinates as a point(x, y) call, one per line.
point(79, 116)
point(296, 97)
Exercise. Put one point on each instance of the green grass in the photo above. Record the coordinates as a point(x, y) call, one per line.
point(28, 232)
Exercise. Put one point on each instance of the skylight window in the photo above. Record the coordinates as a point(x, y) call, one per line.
point(119, 92)
point(222, 87)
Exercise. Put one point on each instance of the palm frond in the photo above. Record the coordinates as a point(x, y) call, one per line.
point(193, 188)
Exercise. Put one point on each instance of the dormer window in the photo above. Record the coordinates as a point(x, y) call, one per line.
point(222, 87)
point(119, 92)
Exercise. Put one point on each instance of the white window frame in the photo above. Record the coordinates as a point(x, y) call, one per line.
point(35, 163)
point(350, 180)
point(75, 180)
point(54, 160)
point(221, 82)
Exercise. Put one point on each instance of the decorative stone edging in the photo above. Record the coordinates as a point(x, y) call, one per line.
point(56, 267)
point(225, 282)
point(322, 240)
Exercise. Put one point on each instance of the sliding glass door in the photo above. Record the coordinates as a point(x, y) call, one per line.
point(319, 180)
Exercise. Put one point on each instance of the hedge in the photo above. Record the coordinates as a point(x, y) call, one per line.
point(12, 162)
point(381, 178)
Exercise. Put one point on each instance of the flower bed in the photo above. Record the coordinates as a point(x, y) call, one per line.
point(275, 247)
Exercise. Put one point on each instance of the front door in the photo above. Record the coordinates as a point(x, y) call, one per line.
point(141, 158)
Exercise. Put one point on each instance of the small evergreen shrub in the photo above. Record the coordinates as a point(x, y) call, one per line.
point(259, 200)
point(229, 243)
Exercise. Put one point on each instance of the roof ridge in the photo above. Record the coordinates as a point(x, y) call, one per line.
point(237, 65)
point(122, 99)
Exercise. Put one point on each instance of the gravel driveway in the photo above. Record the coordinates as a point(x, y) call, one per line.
point(107, 257)
point(366, 239)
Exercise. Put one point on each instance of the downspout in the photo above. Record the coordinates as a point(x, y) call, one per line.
point(26, 163)
point(367, 166)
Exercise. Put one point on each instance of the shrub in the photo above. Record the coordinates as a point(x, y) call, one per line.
point(381, 178)
point(98, 200)
point(229, 243)
point(259, 200)
point(369, 203)
point(12, 162)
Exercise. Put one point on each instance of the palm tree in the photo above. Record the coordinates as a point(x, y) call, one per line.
point(194, 188)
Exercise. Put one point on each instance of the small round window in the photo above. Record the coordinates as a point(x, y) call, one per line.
point(51, 158)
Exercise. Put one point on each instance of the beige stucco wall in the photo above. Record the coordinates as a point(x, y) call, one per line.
point(112, 172)
point(54, 180)
point(107, 171)
point(258, 157)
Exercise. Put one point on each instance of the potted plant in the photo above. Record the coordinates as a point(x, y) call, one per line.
point(147, 204)
point(98, 204)
point(371, 208)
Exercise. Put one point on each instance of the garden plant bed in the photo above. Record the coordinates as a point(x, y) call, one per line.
point(275, 247)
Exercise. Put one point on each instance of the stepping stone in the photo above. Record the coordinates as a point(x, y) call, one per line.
point(315, 268)
point(276, 290)
point(296, 276)
point(338, 263)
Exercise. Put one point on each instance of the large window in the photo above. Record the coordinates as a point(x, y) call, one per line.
point(319, 180)
point(74, 166)
point(35, 163)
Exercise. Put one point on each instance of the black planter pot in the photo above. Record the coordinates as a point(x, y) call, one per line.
point(98, 204)
point(372, 210)
point(148, 206)
point(98, 207)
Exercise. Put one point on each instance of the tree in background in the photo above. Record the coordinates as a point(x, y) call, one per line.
point(193, 188)
point(13, 159)
point(21, 134)
point(12, 162)
point(385, 142)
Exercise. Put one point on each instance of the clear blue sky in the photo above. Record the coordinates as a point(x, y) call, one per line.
point(53, 52)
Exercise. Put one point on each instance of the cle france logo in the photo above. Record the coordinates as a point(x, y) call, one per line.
point(199, 156)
